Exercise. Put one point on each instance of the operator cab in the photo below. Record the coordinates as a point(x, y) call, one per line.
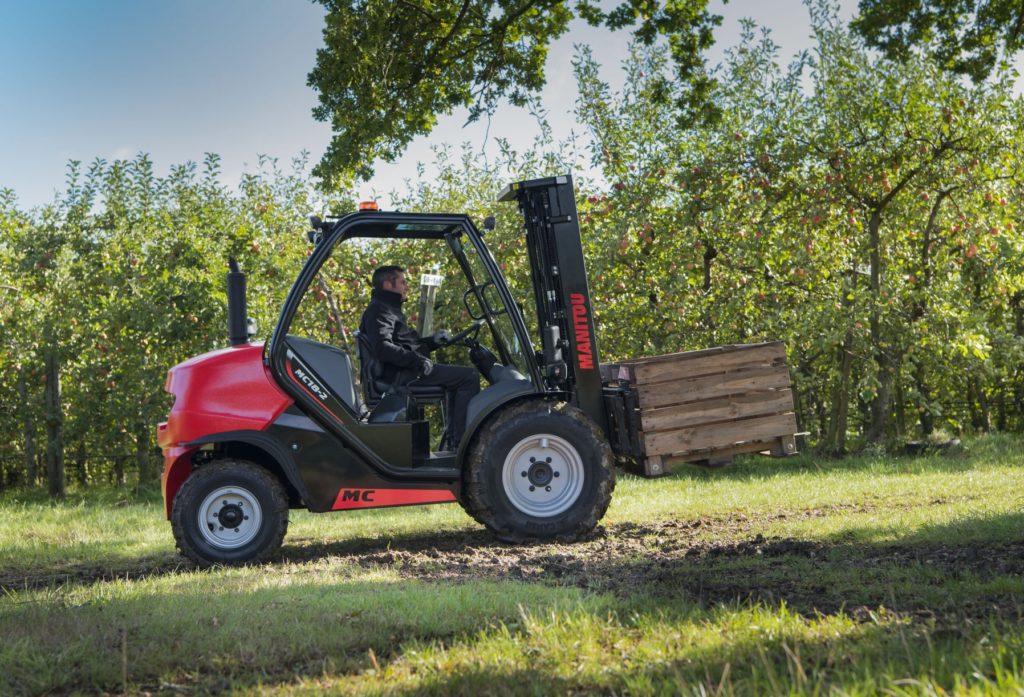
point(318, 357)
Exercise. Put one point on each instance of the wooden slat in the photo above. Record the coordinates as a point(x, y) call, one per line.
point(760, 446)
point(719, 435)
point(690, 365)
point(712, 386)
point(625, 369)
point(673, 357)
point(775, 447)
point(717, 410)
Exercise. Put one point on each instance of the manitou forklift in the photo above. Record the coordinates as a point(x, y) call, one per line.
point(258, 429)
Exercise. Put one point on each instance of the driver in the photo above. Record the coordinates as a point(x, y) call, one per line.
point(399, 348)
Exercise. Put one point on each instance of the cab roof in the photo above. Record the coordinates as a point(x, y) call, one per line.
point(392, 225)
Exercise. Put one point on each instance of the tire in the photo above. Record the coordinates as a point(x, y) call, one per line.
point(247, 497)
point(571, 473)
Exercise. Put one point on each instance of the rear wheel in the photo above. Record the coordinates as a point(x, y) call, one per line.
point(539, 471)
point(230, 512)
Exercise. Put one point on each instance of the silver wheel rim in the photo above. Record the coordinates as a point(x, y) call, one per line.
point(230, 517)
point(543, 475)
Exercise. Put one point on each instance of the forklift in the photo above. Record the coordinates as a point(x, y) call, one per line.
point(257, 429)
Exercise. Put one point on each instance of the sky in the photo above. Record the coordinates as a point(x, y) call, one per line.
point(179, 78)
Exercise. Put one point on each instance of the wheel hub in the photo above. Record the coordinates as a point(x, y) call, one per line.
point(540, 473)
point(230, 517)
point(543, 475)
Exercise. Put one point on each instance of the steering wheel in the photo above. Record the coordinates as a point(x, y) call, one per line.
point(465, 333)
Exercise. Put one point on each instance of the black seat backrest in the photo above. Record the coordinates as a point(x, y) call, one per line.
point(370, 371)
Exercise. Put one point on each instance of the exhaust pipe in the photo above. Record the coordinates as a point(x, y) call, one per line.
point(238, 322)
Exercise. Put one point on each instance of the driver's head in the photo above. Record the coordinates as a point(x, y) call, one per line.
point(391, 278)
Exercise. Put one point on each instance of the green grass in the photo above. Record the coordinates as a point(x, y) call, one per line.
point(866, 575)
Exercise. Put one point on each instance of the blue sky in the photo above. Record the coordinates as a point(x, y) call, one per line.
point(112, 78)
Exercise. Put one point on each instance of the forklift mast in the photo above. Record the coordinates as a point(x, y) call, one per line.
point(561, 292)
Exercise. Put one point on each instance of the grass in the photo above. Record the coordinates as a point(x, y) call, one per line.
point(867, 575)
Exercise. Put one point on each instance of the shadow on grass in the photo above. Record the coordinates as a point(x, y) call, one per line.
point(972, 566)
point(223, 629)
point(479, 637)
point(975, 453)
point(79, 496)
point(278, 624)
point(759, 467)
point(126, 568)
point(67, 574)
point(869, 658)
point(946, 586)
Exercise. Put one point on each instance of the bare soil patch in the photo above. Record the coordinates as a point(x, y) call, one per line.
point(709, 561)
point(706, 561)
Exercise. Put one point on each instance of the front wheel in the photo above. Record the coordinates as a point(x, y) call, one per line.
point(539, 471)
point(229, 512)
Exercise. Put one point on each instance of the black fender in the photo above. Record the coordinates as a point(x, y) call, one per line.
point(268, 444)
point(489, 401)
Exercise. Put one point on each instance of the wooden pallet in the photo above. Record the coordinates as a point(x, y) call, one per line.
point(708, 406)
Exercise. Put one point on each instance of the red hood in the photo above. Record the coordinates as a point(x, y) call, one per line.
point(225, 390)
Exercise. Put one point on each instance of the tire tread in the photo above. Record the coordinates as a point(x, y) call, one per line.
point(193, 487)
point(477, 496)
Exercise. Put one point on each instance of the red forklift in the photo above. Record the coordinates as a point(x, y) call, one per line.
point(258, 429)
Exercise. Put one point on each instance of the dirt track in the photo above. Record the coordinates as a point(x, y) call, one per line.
point(703, 561)
point(710, 561)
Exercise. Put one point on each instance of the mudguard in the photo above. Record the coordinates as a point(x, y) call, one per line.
point(489, 401)
point(220, 392)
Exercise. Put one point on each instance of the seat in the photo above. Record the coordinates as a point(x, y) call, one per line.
point(375, 386)
point(398, 400)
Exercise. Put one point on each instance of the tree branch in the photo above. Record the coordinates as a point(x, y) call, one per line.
point(1017, 28)
point(416, 8)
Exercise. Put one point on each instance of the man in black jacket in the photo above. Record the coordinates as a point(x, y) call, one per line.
point(400, 349)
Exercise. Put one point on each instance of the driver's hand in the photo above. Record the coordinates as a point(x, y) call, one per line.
point(442, 337)
point(426, 366)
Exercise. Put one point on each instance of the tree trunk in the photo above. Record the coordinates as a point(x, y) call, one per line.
point(54, 425)
point(1001, 424)
point(822, 414)
point(119, 470)
point(29, 427)
point(881, 405)
point(925, 415)
point(142, 455)
point(841, 399)
point(1018, 404)
point(920, 309)
point(972, 408)
point(977, 410)
point(839, 422)
point(1017, 302)
point(707, 317)
point(984, 416)
point(339, 326)
point(81, 464)
point(805, 402)
point(899, 406)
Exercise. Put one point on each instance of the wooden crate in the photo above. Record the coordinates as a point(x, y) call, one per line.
point(707, 406)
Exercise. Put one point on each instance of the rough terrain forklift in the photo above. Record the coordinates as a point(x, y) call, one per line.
point(257, 429)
